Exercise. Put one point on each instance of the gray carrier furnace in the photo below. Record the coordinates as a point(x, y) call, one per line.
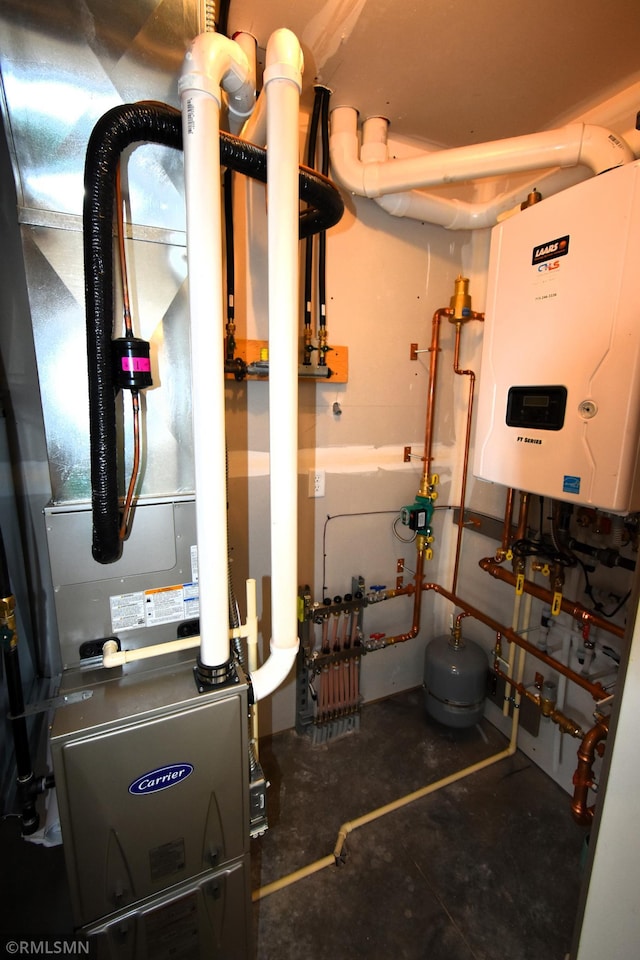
point(152, 781)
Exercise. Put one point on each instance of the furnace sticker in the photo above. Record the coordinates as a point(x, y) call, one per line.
point(150, 608)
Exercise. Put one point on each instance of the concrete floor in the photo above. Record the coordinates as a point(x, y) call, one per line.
point(485, 869)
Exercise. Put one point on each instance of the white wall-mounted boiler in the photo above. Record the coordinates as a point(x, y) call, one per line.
point(559, 398)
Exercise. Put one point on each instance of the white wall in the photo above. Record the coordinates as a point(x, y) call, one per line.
point(385, 279)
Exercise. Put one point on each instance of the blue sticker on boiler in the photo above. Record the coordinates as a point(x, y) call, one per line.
point(571, 484)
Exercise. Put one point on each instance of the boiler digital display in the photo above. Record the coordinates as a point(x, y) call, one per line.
point(539, 408)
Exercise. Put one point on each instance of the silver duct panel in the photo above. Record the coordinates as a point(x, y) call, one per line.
point(62, 65)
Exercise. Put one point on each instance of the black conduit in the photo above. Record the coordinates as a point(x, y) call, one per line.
point(27, 788)
point(230, 260)
point(118, 129)
point(322, 239)
point(308, 249)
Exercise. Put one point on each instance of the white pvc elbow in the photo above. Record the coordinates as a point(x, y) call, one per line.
point(274, 671)
point(601, 150)
point(213, 62)
point(396, 184)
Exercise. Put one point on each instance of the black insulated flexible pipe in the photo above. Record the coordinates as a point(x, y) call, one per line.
point(118, 129)
point(308, 248)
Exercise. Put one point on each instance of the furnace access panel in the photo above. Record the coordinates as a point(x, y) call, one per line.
point(559, 397)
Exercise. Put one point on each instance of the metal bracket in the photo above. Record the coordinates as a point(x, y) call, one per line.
point(53, 703)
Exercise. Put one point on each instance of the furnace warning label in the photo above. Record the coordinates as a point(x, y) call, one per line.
point(127, 611)
point(150, 608)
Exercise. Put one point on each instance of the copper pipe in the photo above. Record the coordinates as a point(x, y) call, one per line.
point(566, 724)
point(415, 588)
point(431, 397)
point(508, 521)
point(574, 609)
point(523, 516)
point(467, 446)
point(596, 690)
point(125, 524)
point(583, 777)
point(461, 616)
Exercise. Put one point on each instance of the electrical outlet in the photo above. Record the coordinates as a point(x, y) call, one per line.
point(316, 483)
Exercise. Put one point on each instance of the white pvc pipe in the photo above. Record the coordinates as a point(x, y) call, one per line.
point(211, 61)
point(454, 214)
point(255, 129)
point(571, 145)
point(112, 657)
point(241, 104)
point(283, 84)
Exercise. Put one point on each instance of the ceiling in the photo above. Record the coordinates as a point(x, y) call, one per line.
point(455, 72)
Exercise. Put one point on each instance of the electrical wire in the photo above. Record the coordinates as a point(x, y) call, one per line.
point(556, 552)
point(339, 516)
point(597, 606)
point(394, 527)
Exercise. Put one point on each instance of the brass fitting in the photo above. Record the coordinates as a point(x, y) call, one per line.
point(7, 608)
point(566, 724)
point(548, 698)
point(534, 197)
point(460, 302)
point(308, 345)
point(8, 633)
point(323, 346)
point(557, 578)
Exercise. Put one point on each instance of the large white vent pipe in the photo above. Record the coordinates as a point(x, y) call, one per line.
point(283, 85)
point(240, 105)
point(372, 174)
point(214, 62)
